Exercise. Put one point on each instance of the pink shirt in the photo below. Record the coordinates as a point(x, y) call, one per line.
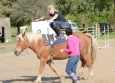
point(73, 45)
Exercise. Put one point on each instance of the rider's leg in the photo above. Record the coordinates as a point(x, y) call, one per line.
point(56, 25)
point(52, 26)
point(59, 31)
point(62, 25)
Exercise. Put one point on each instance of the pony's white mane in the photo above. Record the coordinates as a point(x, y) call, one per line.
point(31, 37)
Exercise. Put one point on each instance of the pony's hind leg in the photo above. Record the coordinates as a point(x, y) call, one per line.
point(90, 72)
point(80, 72)
point(41, 68)
point(89, 65)
point(56, 71)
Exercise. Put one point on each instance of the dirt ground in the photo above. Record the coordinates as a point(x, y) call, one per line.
point(24, 68)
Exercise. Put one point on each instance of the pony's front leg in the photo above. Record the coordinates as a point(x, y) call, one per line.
point(41, 68)
point(56, 71)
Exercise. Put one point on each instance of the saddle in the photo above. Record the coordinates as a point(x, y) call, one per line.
point(50, 39)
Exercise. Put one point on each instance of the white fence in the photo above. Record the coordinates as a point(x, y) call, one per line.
point(95, 31)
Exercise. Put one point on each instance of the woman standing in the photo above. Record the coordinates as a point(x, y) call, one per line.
point(73, 50)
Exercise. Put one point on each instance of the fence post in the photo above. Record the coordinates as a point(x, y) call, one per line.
point(108, 36)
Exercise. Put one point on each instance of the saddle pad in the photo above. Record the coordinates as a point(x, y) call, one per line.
point(60, 41)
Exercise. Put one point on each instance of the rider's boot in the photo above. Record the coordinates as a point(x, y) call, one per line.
point(59, 33)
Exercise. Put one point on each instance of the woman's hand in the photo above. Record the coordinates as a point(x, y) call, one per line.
point(62, 50)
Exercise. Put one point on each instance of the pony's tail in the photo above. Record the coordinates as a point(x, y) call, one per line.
point(93, 48)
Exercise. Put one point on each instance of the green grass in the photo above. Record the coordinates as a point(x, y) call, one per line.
point(111, 35)
point(5, 51)
point(14, 34)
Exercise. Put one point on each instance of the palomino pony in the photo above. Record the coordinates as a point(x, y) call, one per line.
point(35, 42)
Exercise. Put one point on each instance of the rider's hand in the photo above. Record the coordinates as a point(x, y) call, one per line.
point(36, 20)
point(50, 20)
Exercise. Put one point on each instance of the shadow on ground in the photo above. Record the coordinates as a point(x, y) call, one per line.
point(33, 78)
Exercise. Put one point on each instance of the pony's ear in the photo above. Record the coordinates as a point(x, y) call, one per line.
point(23, 34)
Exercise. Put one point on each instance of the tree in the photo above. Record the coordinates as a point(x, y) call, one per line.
point(28, 10)
point(77, 10)
point(25, 11)
point(6, 7)
point(87, 11)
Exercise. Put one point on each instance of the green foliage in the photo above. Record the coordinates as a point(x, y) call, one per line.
point(25, 11)
point(6, 7)
point(63, 6)
point(87, 11)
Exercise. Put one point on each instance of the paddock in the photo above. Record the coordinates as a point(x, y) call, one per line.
point(24, 69)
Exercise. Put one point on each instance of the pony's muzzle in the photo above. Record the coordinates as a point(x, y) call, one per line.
point(17, 53)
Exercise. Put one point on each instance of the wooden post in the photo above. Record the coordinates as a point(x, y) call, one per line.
point(98, 30)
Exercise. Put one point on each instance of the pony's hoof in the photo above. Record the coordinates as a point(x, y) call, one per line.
point(36, 81)
point(62, 80)
point(90, 78)
point(81, 78)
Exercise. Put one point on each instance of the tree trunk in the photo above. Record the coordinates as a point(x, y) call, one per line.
point(18, 30)
point(114, 16)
